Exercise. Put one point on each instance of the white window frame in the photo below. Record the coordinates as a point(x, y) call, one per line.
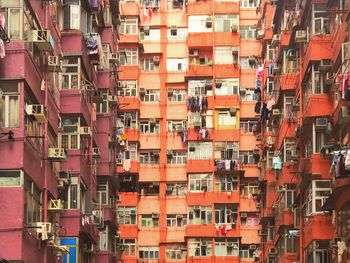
point(125, 216)
point(127, 88)
point(199, 215)
point(203, 151)
point(226, 247)
point(128, 56)
point(200, 182)
point(151, 95)
point(150, 253)
point(150, 127)
point(316, 194)
point(200, 247)
point(129, 26)
point(229, 87)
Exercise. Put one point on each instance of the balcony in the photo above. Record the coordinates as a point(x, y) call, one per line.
point(130, 8)
point(284, 218)
point(129, 38)
point(128, 198)
point(226, 134)
point(227, 101)
point(198, 166)
point(200, 40)
point(316, 105)
point(200, 8)
point(133, 135)
point(134, 167)
point(318, 227)
point(289, 81)
point(200, 71)
point(210, 197)
point(226, 38)
point(128, 72)
point(208, 230)
point(226, 71)
point(129, 103)
point(128, 231)
point(317, 165)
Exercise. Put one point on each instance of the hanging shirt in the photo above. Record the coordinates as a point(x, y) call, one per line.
point(277, 163)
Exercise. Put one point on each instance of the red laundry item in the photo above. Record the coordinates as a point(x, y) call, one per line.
point(150, 12)
point(349, 74)
point(222, 229)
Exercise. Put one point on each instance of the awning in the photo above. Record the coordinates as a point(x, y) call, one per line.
point(334, 197)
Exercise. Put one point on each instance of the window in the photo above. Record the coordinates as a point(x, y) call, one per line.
point(151, 157)
point(225, 118)
point(151, 35)
point(149, 126)
point(223, 23)
point(248, 3)
point(227, 183)
point(177, 95)
point(199, 247)
point(102, 192)
point(150, 96)
point(177, 157)
point(287, 243)
point(319, 251)
point(129, 26)
point(199, 87)
point(223, 55)
point(226, 150)
point(246, 157)
point(199, 215)
point(270, 233)
point(226, 87)
point(200, 182)
point(13, 13)
point(9, 108)
point(149, 253)
point(177, 64)
point(150, 3)
point(149, 188)
point(149, 220)
point(102, 107)
point(176, 125)
point(147, 64)
point(200, 150)
point(129, 246)
point(245, 64)
point(176, 220)
point(319, 141)
point(72, 194)
point(289, 149)
point(32, 202)
point(103, 239)
point(128, 182)
point(132, 151)
point(128, 119)
point(181, 34)
point(320, 20)
point(127, 215)
point(247, 94)
point(128, 56)
point(177, 251)
point(71, 73)
point(10, 178)
point(249, 219)
point(248, 126)
point(247, 32)
point(199, 24)
point(127, 88)
point(246, 251)
point(176, 189)
point(72, 18)
point(249, 188)
point(69, 136)
point(317, 194)
point(226, 247)
point(225, 214)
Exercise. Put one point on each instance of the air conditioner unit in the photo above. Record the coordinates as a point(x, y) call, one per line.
point(321, 123)
point(252, 247)
point(57, 154)
point(38, 111)
point(260, 34)
point(344, 115)
point(119, 199)
point(145, 29)
point(55, 205)
point(276, 68)
point(234, 28)
point(169, 154)
point(300, 36)
point(272, 251)
point(155, 216)
point(325, 65)
point(208, 23)
point(142, 92)
point(173, 30)
point(42, 39)
point(113, 58)
point(85, 131)
point(243, 215)
point(54, 64)
point(156, 60)
point(276, 38)
point(96, 152)
point(113, 99)
point(193, 53)
point(233, 111)
point(43, 229)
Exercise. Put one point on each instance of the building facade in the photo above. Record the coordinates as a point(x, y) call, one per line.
point(187, 162)
point(304, 134)
point(58, 70)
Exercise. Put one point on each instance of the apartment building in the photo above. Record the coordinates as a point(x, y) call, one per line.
point(58, 70)
point(188, 162)
point(305, 133)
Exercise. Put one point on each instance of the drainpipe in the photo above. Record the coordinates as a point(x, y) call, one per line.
point(45, 151)
point(301, 153)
